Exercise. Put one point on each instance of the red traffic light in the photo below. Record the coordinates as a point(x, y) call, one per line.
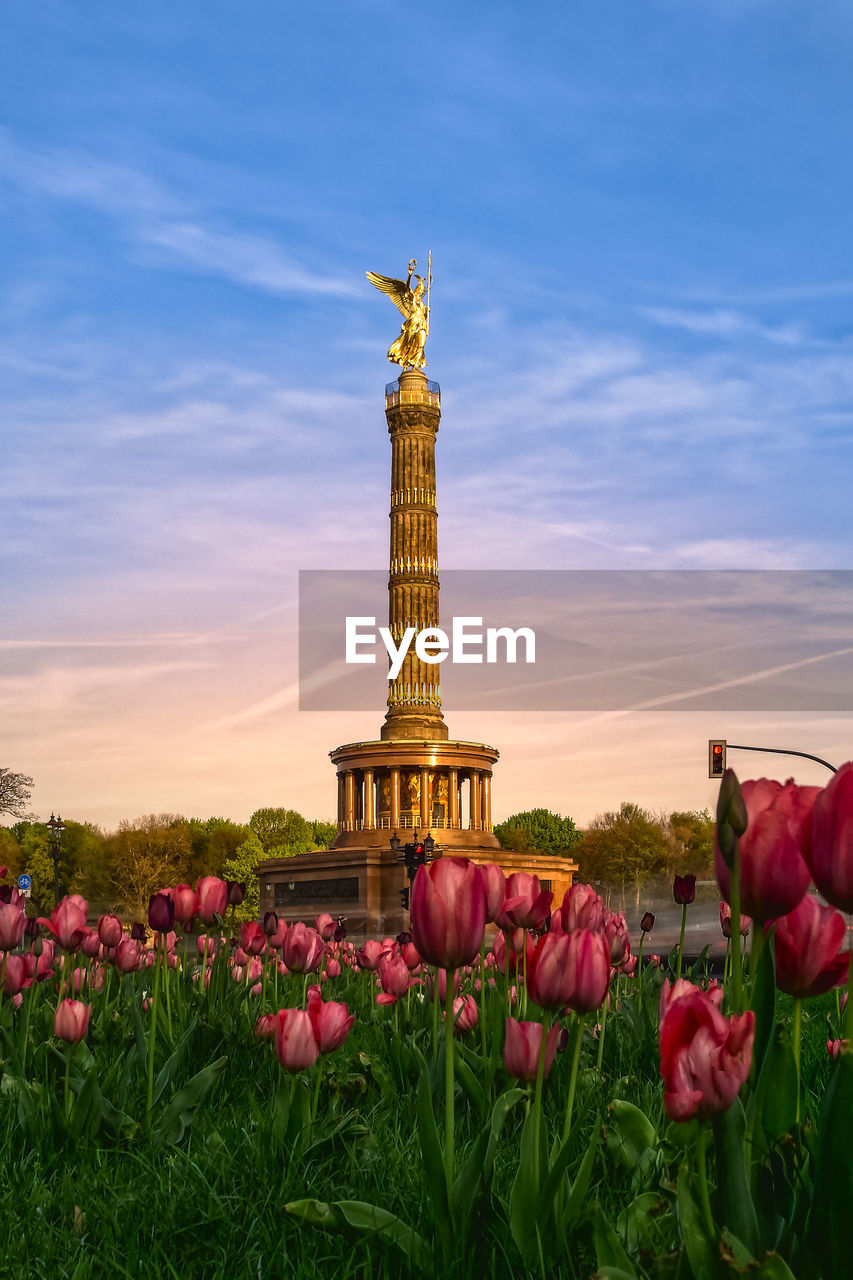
point(716, 758)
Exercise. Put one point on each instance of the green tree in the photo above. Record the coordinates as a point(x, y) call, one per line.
point(322, 833)
point(624, 846)
point(538, 830)
point(145, 855)
point(243, 866)
point(282, 828)
point(37, 861)
point(693, 837)
point(10, 853)
point(214, 841)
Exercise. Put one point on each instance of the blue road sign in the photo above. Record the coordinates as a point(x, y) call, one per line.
point(25, 881)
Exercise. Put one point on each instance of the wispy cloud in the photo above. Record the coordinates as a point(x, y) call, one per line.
point(151, 216)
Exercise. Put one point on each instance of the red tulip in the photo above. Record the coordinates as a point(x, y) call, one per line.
point(110, 930)
point(808, 957)
point(588, 970)
point(704, 1057)
point(526, 905)
point(303, 948)
point(295, 1040)
point(521, 1049)
point(494, 883)
point(68, 921)
point(411, 955)
point(830, 855)
point(71, 1020)
point(331, 1020)
point(212, 898)
point(265, 1027)
point(185, 899)
point(684, 890)
point(582, 909)
point(774, 874)
point(13, 921)
point(448, 912)
point(253, 940)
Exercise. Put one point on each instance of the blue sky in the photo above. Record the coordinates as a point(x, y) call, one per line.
point(638, 214)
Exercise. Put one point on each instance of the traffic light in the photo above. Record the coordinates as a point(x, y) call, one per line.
point(404, 898)
point(716, 758)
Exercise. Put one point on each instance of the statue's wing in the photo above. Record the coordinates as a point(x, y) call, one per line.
point(398, 291)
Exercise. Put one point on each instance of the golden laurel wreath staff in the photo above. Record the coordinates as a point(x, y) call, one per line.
point(413, 305)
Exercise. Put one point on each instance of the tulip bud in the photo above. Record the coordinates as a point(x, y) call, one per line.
point(137, 932)
point(684, 890)
point(270, 923)
point(648, 922)
point(71, 1020)
point(732, 816)
point(161, 912)
point(236, 892)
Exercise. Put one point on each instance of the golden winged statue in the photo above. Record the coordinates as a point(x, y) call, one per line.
point(413, 305)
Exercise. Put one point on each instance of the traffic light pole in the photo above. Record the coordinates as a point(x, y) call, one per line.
point(781, 751)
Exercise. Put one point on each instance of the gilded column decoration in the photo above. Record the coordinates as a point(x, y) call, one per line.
point(369, 807)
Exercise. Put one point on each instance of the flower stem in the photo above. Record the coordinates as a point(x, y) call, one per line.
point(483, 998)
point(681, 939)
point(734, 895)
point(155, 1008)
point(848, 1012)
point(603, 1029)
point(573, 1078)
point(796, 1036)
point(537, 1103)
point(449, 1083)
point(68, 1083)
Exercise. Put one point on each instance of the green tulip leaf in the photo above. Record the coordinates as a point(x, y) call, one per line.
point(180, 1112)
point(524, 1203)
point(776, 1093)
point(701, 1249)
point(611, 1257)
point(736, 1207)
point(366, 1218)
point(630, 1133)
point(833, 1193)
point(639, 1223)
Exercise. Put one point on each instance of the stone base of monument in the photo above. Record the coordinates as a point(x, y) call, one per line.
point(363, 884)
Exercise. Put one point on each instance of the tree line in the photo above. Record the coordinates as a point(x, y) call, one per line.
point(119, 870)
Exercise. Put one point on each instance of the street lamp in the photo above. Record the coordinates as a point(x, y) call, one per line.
point(55, 829)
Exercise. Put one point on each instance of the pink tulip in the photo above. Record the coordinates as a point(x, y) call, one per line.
point(303, 948)
point(505, 954)
point(394, 977)
point(526, 905)
point(12, 924)
point(440, 986)
point(808, 956)
point(333, 968)
point(494, 883)
point(71, 1020)
point(370, 955)
point(682, 987)
point(185, 899)
point(830, 855)
point(448, 912)
point(582, 909)
point(411, 955)
point(126, 956)
point(253, 940)
point(521, 1049)
point(616, 936)
point(44, 963)
point(295, 1040)
point(110, 930)
point(331, 1021)
point(277, 939)
point(68, 921)
point(205, 943)
point(19, 972)
point(465, 1014)
point(325, 925)
point(726, 921)
point(774, 873)
point(91, 944)
point(212, 898)
point(835, 1048)
point(705, 1058)
point(265, 1027)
